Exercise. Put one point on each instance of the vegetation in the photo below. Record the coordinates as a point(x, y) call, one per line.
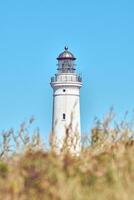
point(104, 170)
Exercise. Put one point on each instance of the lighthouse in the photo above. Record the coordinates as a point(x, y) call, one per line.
point(66, 86)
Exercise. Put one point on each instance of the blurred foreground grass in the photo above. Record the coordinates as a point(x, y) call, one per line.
point(104, 170)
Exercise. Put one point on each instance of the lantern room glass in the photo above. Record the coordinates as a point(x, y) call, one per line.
point(66, 66)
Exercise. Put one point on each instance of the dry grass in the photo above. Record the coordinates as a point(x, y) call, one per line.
point(104, 170)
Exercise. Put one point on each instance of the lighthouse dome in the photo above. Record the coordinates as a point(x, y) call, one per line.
point(66, 55)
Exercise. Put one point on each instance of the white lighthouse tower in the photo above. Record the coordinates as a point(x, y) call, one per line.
point(66, 86)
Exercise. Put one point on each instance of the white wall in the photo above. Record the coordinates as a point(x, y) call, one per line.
point(67, 102)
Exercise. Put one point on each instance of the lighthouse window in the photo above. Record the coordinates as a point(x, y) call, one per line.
point(64, 116)
point(64, 90)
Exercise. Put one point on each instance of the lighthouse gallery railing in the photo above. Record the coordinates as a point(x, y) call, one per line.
point(66, 79)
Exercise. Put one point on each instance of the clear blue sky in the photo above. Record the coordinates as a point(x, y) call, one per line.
point(34, 32)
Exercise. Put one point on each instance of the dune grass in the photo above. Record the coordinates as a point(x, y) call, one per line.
point(104, 170)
